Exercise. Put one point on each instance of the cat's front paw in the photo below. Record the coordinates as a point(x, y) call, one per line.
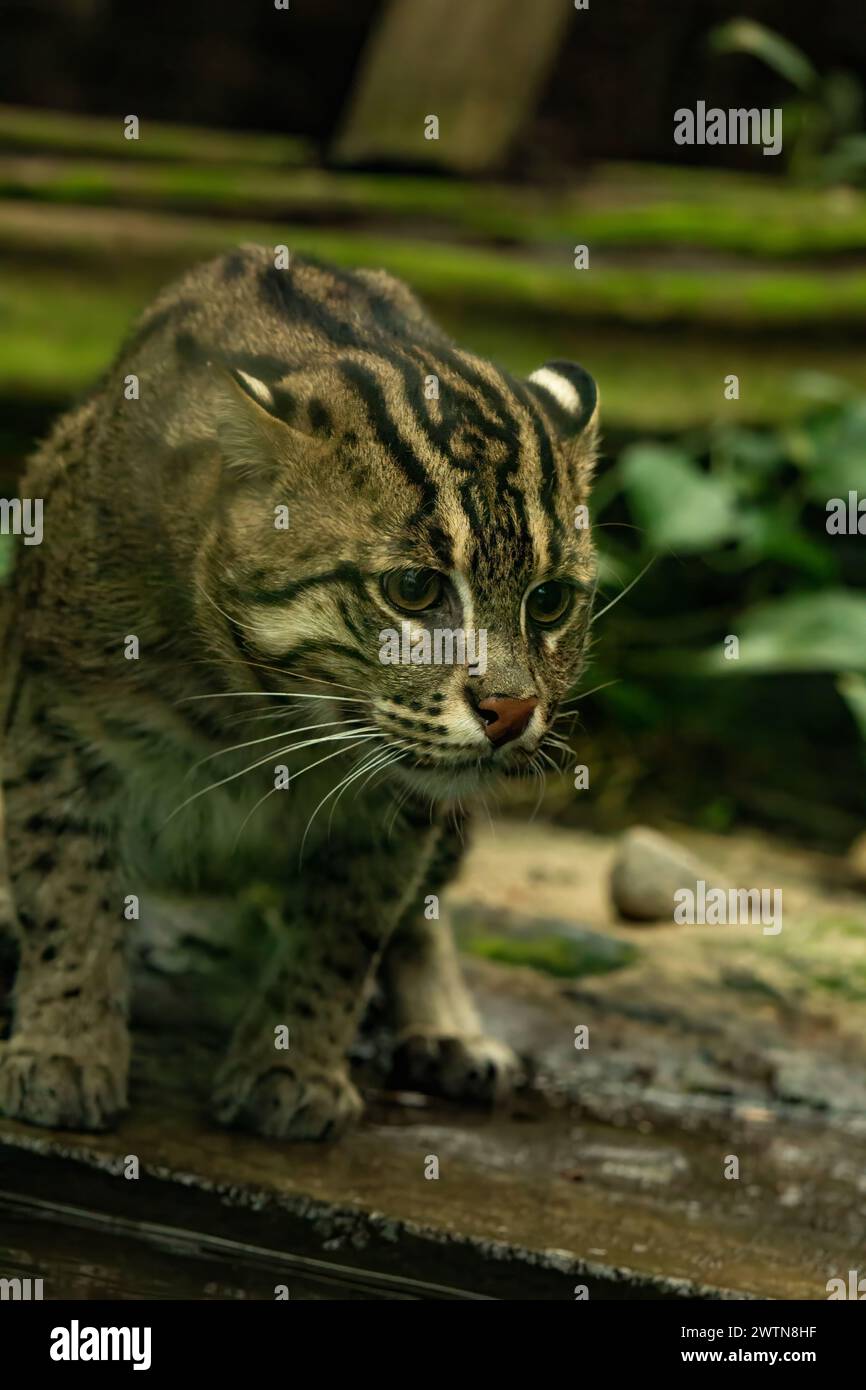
point(286, 1102)
point(477, 1069)
point(42, 1087)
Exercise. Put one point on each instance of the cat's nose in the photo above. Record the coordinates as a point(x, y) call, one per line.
point(504, 718)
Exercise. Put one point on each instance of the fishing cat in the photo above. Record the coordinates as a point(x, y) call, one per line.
point(281, 465)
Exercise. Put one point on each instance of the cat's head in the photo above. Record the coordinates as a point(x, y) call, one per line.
point(405, 541)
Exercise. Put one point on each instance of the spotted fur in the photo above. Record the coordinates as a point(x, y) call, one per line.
point(332, 394)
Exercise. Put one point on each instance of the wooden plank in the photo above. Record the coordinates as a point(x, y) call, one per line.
point(478, 68)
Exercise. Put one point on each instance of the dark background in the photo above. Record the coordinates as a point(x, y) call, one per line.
point(624, 66)
point(706, 260)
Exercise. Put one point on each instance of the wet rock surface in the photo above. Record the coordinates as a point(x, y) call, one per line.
point(660, 1064)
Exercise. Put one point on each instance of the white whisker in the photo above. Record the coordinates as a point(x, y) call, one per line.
point(270, 695)
point(338, 789)
point(268, 738)
point(306, 743)
point(378, 763)
point(586, 693)
point(623, 592)
point(293, 778)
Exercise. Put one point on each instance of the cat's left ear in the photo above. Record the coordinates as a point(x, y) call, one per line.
point(570, 396)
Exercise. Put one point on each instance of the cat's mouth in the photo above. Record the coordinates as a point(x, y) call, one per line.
point(446, 778)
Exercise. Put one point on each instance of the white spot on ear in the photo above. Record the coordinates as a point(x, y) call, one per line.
point(559, 387)
point(257, 389)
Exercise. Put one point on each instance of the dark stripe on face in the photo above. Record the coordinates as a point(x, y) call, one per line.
point(549, 476)
point(503, 426)
point(324, 647)
point(440, 543)
point(421, 524)
point(549, 489)
point(349, 621)
point(506, 510)
point(437, 433)
point(371, 393)
point(342, 574)
point(314, 647)
point(462, 410)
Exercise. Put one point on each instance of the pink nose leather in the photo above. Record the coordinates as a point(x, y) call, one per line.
point(505, 719)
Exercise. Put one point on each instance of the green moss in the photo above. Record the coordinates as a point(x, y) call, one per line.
point(553, 955)
point(60, 332)
point(181, 186)
point(480, 278)
point(54, 132)
point(714, 209)
point(850, 984)
point(642, 333)
point(61, 328)
point(839, 926)
point(616, 207)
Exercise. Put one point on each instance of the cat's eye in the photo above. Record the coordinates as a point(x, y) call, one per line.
point(412, 590)
point(549, 602)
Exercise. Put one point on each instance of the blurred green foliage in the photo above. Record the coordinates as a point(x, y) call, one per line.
point(824, 138)
point(752, 505)
point(722, 532)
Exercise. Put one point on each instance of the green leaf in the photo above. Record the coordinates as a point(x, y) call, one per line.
point(843, 98)
point(853, 691)
point(773, 535)
point(756, 453)
point(837, 453)
point(747, 36)
point(825, 631)
point(846, 162)
point(679, 506)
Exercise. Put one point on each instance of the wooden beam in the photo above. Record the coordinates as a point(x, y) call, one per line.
point(478, 67)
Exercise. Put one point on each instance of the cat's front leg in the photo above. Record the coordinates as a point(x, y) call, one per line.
point(66, 1062)
point(286, 1071)
point(441, 1047)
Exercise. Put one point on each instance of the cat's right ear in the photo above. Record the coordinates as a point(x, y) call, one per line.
point(254, 442)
